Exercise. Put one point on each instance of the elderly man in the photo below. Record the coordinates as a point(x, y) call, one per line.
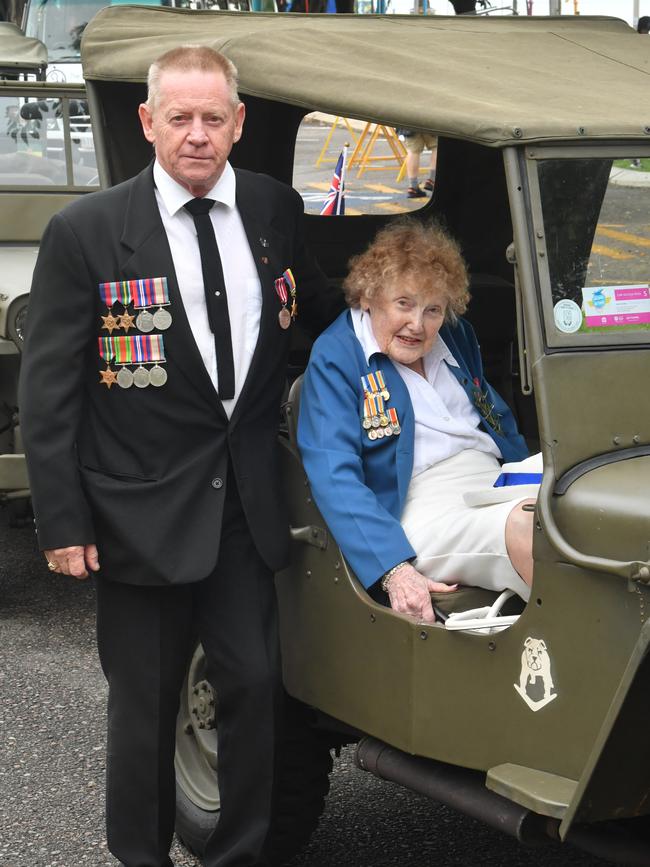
point(159, 326)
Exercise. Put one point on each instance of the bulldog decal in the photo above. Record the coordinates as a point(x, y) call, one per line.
point(536, 685)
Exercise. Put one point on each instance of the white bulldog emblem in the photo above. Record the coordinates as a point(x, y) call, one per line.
point(535, 665)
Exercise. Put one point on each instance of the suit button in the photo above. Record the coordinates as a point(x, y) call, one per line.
point(217, 483)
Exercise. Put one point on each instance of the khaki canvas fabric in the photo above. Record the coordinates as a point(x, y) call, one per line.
point(491, 80)
point(19, 51)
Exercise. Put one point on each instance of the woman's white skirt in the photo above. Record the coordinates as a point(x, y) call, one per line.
point(456, 542)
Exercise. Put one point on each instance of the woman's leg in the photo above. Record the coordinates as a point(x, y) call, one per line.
point(519, 540)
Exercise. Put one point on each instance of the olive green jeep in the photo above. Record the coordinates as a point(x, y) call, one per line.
point(543, 141)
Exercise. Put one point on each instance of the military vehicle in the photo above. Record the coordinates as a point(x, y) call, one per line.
point(47, 158)
point(538, 729)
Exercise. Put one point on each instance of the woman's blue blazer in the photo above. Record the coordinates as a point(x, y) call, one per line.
point(360, 485)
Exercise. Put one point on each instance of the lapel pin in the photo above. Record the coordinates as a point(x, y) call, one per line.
point(264, 242)
point(265, 260)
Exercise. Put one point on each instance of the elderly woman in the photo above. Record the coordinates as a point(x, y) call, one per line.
point(397, 424)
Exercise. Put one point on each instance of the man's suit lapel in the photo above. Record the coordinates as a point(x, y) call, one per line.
point(148, 255)
point(261, 241)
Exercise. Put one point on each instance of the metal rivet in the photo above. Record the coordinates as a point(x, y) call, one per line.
point(336, 579)
point(636, 438)
point(539, 602)
point(372, 618)
point(541, 254)
point(540, 234)
point(309, 573)
point(217, 293)
point(492, 645)
point(424, 635)
point(617, 441)
point(538, 526)
point(646, 130)
point(309, 499)
point(337, 565)
point(517, 131)
point(581, 130)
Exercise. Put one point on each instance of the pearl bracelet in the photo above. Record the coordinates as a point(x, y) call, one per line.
point(385, 581)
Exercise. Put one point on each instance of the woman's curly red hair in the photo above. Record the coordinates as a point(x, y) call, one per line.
point(422, 252)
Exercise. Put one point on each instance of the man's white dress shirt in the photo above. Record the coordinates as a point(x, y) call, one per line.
point(446, 421)
point(239, 271)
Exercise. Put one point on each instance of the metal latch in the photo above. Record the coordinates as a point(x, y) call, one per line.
point(311, 535)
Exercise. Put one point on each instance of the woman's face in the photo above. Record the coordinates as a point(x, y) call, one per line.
point(406, 320)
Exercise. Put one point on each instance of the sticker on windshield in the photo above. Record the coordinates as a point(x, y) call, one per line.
point(607, 306)
point(568, 316)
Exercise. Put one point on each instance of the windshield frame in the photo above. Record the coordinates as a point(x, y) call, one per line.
point(534, 155)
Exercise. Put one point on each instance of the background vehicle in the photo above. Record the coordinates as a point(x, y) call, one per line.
point(550, 752)
point(47, 158)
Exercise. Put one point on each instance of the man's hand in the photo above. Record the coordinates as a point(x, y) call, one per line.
point(408, 592)
point(78, 560)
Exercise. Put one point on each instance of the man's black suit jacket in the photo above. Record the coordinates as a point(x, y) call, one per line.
point(142, 471)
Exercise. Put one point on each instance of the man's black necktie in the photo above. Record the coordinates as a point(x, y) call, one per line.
point(215, 294)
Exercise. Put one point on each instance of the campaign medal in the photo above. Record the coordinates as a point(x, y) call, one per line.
point(374, 410)
point(162, 319)
point(124, 378)
point(158, 376)
point(147, 348)
point(151, 292)
point(372, 434)
point(108, 295)
point(122, 349)
point(366, 421)
point(111, 293)
point(284, 316)
point(108, 376)
point(485, 408)
point(126, 320)
point(291, 285)
point(110, 322)
point(379, 376)
point(394, 421)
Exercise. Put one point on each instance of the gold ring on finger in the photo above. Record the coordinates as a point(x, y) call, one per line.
point(52, 566)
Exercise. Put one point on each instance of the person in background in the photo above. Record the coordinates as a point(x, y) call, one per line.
point(415, 143)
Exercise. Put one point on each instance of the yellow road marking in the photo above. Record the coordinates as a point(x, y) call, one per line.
point(610, 252)
point(393, 208)
point(319, 185)
point(636, 240)
point(381, 188)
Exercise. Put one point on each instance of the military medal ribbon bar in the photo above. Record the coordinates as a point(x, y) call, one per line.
point(137, 349)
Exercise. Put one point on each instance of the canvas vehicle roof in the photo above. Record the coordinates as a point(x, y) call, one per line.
point(494, 80)
point(18, 51)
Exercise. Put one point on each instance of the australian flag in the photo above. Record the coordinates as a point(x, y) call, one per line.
point(335, 202)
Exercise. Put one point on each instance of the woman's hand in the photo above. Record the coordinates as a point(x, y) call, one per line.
point(409, 591)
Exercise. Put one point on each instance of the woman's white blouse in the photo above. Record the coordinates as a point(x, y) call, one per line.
point(446, 421)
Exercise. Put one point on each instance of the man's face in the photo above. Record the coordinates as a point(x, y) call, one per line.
point(193, 126)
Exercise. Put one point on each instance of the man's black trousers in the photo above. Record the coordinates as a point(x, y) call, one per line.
point(145, 638)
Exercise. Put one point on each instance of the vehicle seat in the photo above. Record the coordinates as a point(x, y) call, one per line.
point(463, 599)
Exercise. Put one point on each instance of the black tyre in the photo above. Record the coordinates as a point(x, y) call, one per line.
point(303, 768)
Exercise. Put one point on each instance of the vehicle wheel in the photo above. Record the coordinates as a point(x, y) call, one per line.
point(303, 768)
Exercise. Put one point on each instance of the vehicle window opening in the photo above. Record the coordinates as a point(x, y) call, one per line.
point(34, 133)
point(598, 244)
point(374, 170)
